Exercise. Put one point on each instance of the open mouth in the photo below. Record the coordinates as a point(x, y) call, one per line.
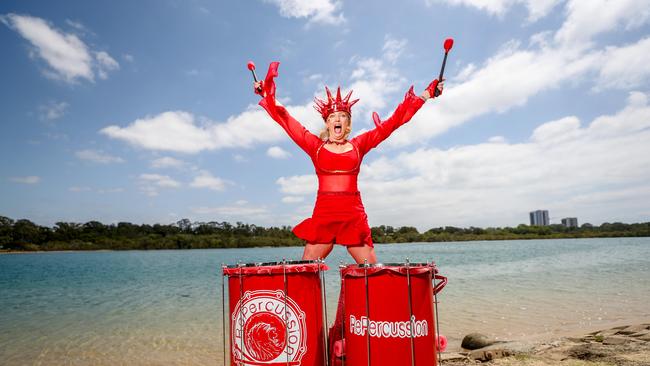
point(338, 128)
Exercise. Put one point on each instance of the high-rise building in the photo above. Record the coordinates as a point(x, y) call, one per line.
point(539, 218)
point(570, 222)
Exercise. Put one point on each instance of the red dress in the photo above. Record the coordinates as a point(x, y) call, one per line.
point(339, 216)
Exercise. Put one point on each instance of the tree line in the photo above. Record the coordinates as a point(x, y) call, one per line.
point(407, 234)
point(93, 235)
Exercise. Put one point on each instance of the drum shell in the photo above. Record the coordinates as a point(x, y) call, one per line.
point(257, 290)
point(389, 313)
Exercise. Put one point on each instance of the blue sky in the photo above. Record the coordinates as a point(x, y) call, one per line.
point(143, 111)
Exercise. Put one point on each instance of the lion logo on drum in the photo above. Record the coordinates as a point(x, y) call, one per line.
point(268, 329)
point(264, 336)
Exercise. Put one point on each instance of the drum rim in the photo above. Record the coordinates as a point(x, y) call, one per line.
point(273, 264)
point(388, 264)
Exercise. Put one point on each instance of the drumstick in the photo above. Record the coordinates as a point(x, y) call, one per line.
point(251, 67)
point(449, 43)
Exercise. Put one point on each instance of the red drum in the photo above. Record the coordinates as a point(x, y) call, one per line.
point(276, 313)
point(389, 316)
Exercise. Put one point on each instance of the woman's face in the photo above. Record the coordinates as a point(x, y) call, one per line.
point(338, 124)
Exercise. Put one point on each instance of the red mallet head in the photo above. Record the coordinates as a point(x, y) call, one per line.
point(251, 65)
point(449, 43)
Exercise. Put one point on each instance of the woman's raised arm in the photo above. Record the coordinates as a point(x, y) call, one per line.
point(298, 133)
point(403, 113)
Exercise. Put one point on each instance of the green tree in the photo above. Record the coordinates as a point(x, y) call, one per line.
point(66, 231)
point(127, 230)
point(6, 231)
point(185, 225)
point(26, 232)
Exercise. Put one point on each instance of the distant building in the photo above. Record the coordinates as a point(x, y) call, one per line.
point(539, 218)
point(570, 222)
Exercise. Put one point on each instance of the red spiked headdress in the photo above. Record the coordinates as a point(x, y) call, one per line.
point(325, 108)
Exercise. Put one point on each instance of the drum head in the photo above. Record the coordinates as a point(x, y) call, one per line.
point(356, 270)
point(387, 265)
point(268, 264)
point(274, 267)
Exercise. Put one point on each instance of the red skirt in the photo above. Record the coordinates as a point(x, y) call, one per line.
point(338, 218)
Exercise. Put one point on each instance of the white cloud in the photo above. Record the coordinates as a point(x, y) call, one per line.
point(52, 110)
point(171, 131)
point(178, 131)
point(497, 140)
point(246, 129)
point(233, 211)
point(277, 152)
point(567, 128)
point(536, 8)
point(79, 189)
point(515, 74)
point(100, 191)
point(105, 63)
point(238, 211)
point(160, 180)
point(76, 24)
point(239, 158)
point(150, 183)
point(293, 199)
point(635, 118)
point(588, 172)
point(31, 179)
point(317, 11)
point(586, 19)
point(298, 184)
point(373, 80)
point(505, 81)
point(625, 67)
point(110, 190)
point(207, 180)
point(167, 162)
point(496, 7)
point(68, 58)
point(465, 73)
point(393, 48)
point(315, 77)
point(98, 156)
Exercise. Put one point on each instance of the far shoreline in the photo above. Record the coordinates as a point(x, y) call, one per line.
point(24, 235)
point(77, 250)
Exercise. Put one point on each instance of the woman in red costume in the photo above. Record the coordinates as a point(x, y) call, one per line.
point(339, 216)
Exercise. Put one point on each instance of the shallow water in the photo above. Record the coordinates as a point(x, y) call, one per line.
point(164, 307)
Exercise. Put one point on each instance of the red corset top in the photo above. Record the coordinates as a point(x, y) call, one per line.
point(337, 172)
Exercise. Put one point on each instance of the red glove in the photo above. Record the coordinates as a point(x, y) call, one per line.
point(268, 85)
point(259, 90)
point(433, 89)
